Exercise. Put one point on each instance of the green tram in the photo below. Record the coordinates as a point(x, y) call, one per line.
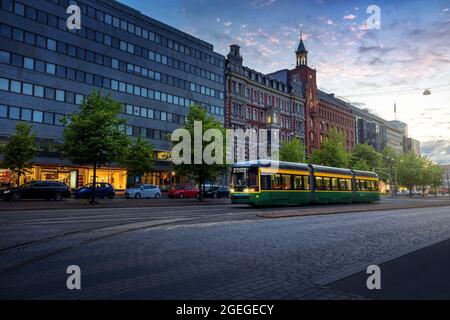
point(259, 183)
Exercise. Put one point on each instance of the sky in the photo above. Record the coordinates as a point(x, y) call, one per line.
point(371, 68)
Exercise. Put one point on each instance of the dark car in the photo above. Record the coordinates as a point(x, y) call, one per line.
point(102, 190)
point(217, 192)
point(38, 190)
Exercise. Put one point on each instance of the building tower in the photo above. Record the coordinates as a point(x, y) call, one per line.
point(301, 53)
point(307, 77)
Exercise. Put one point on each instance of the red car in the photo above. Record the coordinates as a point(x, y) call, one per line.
point(183, 191)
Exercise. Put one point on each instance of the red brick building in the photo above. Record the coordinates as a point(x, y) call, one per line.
point(259, 101)
point(322, 111)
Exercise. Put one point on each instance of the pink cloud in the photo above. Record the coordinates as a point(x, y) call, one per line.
point(349, 17)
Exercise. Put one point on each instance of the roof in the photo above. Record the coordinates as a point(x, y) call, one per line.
point(270, 163)
point(301, 46)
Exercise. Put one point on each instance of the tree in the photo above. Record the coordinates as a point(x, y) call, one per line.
point(388, 162)
point(138, 158)
point(19, 150)
point(332, 151)
point(198, 169)
point(436, 177)
point(293, 151)
point(362, 165)
point(365, 156)
point(95, 134)
point(409, 170)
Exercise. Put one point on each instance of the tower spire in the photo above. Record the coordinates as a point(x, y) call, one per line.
point(301, 53)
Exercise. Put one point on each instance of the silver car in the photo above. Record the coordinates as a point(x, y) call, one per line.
point(143, 191)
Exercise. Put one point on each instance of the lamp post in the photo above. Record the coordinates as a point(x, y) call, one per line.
point(448, 182)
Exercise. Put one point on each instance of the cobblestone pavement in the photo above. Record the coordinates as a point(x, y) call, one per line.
point(248, 259)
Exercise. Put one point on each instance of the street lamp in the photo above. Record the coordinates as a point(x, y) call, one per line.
point(427, 92)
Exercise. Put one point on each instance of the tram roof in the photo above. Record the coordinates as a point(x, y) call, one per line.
point(270, 163)
point(325, 169)
point(365, 174)
point(302, 166)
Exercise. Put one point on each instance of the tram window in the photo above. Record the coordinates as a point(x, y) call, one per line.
point(335, 184)
point(370, 185)
point(298, 183)
point(305, 182)
point(276, 182)
point(363, 185)
point(343, 185)
point(252, 179)
point(286, 182)
point(319, 183)
point(376, 186)
point(327, 183)
point(265, 182)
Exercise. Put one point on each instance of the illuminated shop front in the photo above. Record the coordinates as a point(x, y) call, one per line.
point(75, 176)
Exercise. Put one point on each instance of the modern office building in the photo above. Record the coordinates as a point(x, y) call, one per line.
point(412, 145)
point(258, 101)
point(155, 70)
point(394, 138)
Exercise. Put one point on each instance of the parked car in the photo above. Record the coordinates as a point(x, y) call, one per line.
point(102, 190)
point(183, 191)
point(38, 190)
point(143, 191)
point(217, 192)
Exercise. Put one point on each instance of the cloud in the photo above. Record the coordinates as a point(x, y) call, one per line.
point(261, 3)
point(349, 17)
point(227, 24)
point(329, 22)
point(438, 151)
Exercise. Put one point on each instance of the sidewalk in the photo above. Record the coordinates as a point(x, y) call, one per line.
point(384, 204)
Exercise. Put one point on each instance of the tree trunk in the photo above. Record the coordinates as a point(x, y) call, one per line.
point(94, 183)
point(18, 177)
point(200, 193)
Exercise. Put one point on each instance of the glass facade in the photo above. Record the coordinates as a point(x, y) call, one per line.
point(154, 70)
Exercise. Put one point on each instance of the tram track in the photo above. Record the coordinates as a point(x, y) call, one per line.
point(20, 255)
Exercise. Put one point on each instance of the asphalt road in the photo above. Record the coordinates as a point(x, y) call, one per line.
point(220, 251)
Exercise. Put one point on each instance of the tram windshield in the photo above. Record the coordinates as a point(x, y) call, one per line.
point(244, 179)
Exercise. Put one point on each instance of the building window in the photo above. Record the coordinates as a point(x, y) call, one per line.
point(4, 84)
point(3, 111)
point(14, 113)
point(26, 114)
point(16, 86)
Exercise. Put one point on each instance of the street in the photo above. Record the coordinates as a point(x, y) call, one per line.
point(216, 251)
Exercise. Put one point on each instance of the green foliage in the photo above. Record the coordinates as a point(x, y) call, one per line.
point(332, 151)
point(95, 135)
point(293, 151)
point(201, 172)
point(19, 150)
point(388, 163)
point(138, 158)
point(411, 170)
point(365, 157)
point(362, 165)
